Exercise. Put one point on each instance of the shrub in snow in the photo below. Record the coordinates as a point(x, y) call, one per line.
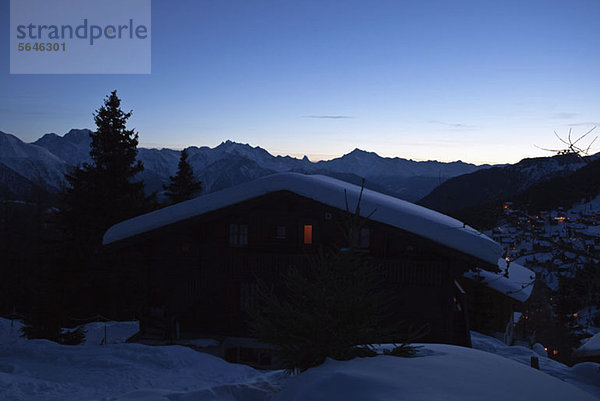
point(37, 327)
point(329, 309)
point(73, 337)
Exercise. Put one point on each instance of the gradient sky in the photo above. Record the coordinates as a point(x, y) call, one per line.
point(480, 81)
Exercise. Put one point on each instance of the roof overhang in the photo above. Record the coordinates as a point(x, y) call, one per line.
point(513, 280)
point(332, 192)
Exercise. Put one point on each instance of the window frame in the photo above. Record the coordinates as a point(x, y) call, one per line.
point(238, 234)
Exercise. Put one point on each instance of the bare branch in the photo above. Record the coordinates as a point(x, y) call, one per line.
point(591, 143)
point(562, 140)
point(581, 151)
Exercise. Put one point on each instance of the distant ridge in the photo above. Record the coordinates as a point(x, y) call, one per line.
point(542, 183)
point(232, 163)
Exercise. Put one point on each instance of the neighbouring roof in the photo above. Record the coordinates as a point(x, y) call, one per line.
point(514, 280)
point(330, 191)
point(590, 348)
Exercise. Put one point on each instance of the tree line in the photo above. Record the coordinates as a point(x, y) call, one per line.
point(50, 274)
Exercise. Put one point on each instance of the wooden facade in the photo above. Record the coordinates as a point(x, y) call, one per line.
point(198, 277)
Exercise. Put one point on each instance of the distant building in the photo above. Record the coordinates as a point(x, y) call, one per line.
point(589, 351)
point(497, 297)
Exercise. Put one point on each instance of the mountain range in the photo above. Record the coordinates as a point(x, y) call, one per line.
point(45, 161)
point(468, 192)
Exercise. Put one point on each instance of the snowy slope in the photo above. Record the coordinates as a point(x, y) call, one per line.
point(553, 243)
point(73, 147)
point(586, 376)
point(442, 372)
point(498, 184)
point(13, 185)
point(38, 370)
point(33, 162)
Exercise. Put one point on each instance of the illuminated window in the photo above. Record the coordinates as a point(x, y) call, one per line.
point(308, 234)
point(238, 234)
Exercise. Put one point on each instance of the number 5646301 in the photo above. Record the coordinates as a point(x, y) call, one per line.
point(42, 47)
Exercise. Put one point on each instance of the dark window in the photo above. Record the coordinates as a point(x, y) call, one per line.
point(243, 234)
point(233, 234)
point(365, 238)
point(238, 234)
point(281, 232)
point(193, 289)
point(248, 296)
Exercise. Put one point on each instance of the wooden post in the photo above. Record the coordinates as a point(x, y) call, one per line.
point(535, 362)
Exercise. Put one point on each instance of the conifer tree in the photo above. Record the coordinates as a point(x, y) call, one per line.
point(104, 192)
point(98, 195)
point(182, 185)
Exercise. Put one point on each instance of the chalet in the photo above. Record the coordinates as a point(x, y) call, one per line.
point(192, 268)
point(496, 298)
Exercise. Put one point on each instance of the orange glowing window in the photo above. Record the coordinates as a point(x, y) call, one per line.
point(308, 234)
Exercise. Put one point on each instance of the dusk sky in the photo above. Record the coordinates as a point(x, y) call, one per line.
point(480, 81)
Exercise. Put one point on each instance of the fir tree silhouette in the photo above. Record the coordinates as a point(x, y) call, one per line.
point(105, 191)
point(182, 185)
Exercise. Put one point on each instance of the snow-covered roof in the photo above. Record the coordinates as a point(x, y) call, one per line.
point(515, 281)
point(590, 348)
point(330, 191)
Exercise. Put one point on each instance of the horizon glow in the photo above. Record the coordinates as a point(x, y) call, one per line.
point(437, 80)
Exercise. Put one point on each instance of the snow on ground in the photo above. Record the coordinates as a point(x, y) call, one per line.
point(116, 332)
point(35, 370)
point(584, 375)
point(41, 370)
point(442, 372)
